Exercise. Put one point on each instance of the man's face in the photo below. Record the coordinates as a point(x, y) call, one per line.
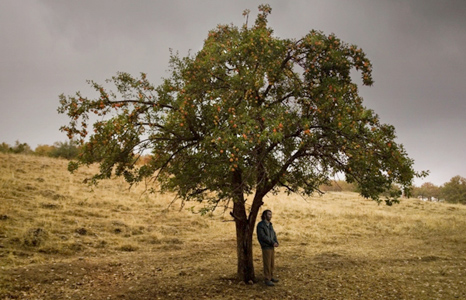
point(268, 216)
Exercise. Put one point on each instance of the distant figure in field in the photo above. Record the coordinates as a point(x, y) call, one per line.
point(268, 241)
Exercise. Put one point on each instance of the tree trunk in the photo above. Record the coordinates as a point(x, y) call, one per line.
point(244, 229)
point(244, 234)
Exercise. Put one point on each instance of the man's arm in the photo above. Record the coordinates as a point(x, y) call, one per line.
point(275, 240)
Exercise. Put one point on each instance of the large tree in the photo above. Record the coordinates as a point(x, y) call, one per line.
point(454, 191)
point(248, 114)
point(427, 190)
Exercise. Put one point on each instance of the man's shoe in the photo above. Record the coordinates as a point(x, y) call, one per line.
point(269, 283)
point(275, 280)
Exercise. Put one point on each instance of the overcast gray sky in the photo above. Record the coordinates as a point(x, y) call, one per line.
point(417, 47)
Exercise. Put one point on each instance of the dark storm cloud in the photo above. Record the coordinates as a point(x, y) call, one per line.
point(417, 49)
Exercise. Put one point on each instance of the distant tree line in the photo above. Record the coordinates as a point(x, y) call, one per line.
point(67, 150)
point(453, 191)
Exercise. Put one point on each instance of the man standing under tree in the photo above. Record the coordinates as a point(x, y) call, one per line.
point(268, 241)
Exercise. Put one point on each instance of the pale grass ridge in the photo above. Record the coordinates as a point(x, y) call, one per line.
point(47, 210)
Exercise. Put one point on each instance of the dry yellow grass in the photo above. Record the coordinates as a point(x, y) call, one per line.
point(60, 239)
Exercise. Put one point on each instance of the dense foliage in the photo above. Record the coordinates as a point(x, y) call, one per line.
point(454, 191)
point(275, 112)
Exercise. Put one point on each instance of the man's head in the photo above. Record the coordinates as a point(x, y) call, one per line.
point(266, 215)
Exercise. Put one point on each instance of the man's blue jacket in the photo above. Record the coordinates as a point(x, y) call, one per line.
point(266, 235)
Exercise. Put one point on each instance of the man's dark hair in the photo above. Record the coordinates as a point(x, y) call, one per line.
point(264, 213)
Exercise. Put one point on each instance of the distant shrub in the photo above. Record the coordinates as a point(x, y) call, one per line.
point(67, 150)
point(4, 147)
point(338, 186)
point(144, 160)
point(44, 150)
point(22, 148)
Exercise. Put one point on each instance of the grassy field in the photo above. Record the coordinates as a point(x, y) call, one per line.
point(60, 239)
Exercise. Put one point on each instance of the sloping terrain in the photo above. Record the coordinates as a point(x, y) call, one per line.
point(61, 239)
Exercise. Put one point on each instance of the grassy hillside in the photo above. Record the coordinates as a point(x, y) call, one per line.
point(60, 239)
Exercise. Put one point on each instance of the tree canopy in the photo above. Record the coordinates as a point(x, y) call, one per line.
point(454, 191)
point(248, 114)
point(278, 112)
